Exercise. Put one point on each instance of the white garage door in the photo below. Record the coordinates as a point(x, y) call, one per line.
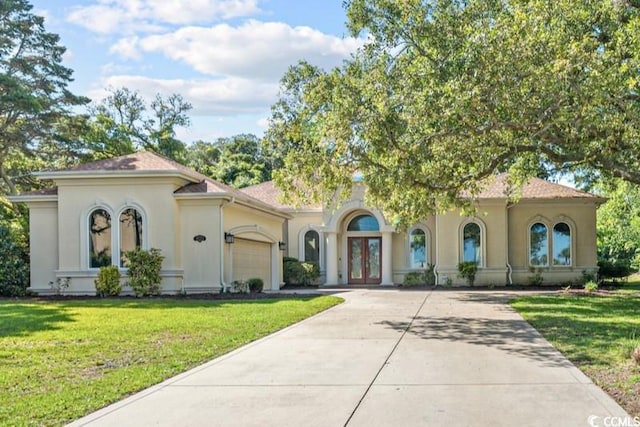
point(252, 259)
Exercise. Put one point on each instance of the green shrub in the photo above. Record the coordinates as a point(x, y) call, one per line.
point(420, 278)
point(536, 279)
point(14, 263)
point(591, 286)
point(614, 269)
point(108, 281)
point(413, 278)
point(255, 284)
point(144, 271)
point(299, 273)
point(239, 287)
point(467, 270)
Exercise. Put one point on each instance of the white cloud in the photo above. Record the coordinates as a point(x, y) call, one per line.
point(127, 47)
point(136, 16)
point(255, 49)
point(228, 96)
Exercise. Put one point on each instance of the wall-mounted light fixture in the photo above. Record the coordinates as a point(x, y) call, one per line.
point(282, 246)
point(199, 238)
point(228, 238)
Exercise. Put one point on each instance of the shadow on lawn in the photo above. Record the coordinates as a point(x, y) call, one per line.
point(23, 319)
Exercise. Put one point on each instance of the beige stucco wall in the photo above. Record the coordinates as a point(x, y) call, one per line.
point(302, 222)
point(581, 217)
point(201, 260)
point(492, 220)
point(401, 252)
point(43, 227)
point(77, 198)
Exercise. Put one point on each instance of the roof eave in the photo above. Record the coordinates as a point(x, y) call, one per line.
point(29, 198)
point(101, 174)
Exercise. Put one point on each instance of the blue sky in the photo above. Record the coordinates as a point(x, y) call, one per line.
point(223, 56)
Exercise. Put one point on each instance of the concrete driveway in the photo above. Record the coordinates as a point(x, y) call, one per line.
point(383, 358)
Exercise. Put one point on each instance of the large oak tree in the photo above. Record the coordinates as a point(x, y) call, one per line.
point(447, 92)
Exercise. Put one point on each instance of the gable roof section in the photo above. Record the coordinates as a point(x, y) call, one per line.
point(136, 163)
point(269, 193)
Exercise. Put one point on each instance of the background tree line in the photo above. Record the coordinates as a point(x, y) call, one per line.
point(45, 126)
point(444, 94)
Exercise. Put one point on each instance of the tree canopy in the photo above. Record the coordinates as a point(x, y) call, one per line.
point(34, 97)
point(448, 92)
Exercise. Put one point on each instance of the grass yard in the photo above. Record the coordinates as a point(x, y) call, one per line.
point(63, 359)
point(597, 333)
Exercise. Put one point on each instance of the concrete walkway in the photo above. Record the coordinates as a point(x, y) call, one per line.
point(383, 358)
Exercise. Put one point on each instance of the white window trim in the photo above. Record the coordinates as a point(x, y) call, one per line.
point(483, 240)
point(427, 244)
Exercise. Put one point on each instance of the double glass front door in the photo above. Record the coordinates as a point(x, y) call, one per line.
point(365, 257)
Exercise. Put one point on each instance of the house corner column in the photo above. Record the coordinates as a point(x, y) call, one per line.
point(332, 258)
point(387, 259)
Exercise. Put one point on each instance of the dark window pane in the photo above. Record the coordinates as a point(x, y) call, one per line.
point(130, 232)
point(538, 245)
point(99, 238)
point(312, 246)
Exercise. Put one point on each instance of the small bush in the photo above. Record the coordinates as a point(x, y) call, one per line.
point(299, 273)
point(536, 279)
point(420, 278)
point(255, 284)
point(108, 281)
point(614, 269)
point(413, 278)
point(144, 271)
point(591, 286)
point(239, 287)
point(467, 270)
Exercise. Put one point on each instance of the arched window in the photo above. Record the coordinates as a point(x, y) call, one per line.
point(312, 246)
point(99, 238)
point(471, 245)
point(561, 244)
point(418, 249)
point(130, 232)
point(364, 223)
point(538, 245)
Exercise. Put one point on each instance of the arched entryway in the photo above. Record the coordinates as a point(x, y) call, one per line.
point(353, 221)
point(364, 250)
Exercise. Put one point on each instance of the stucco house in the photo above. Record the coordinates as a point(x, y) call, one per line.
point(212, 234)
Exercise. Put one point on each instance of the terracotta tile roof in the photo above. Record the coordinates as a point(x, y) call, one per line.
point(497, 188)
point(269, 193)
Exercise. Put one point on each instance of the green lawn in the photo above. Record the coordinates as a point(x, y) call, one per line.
point(597, 333)
point(62, 360)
